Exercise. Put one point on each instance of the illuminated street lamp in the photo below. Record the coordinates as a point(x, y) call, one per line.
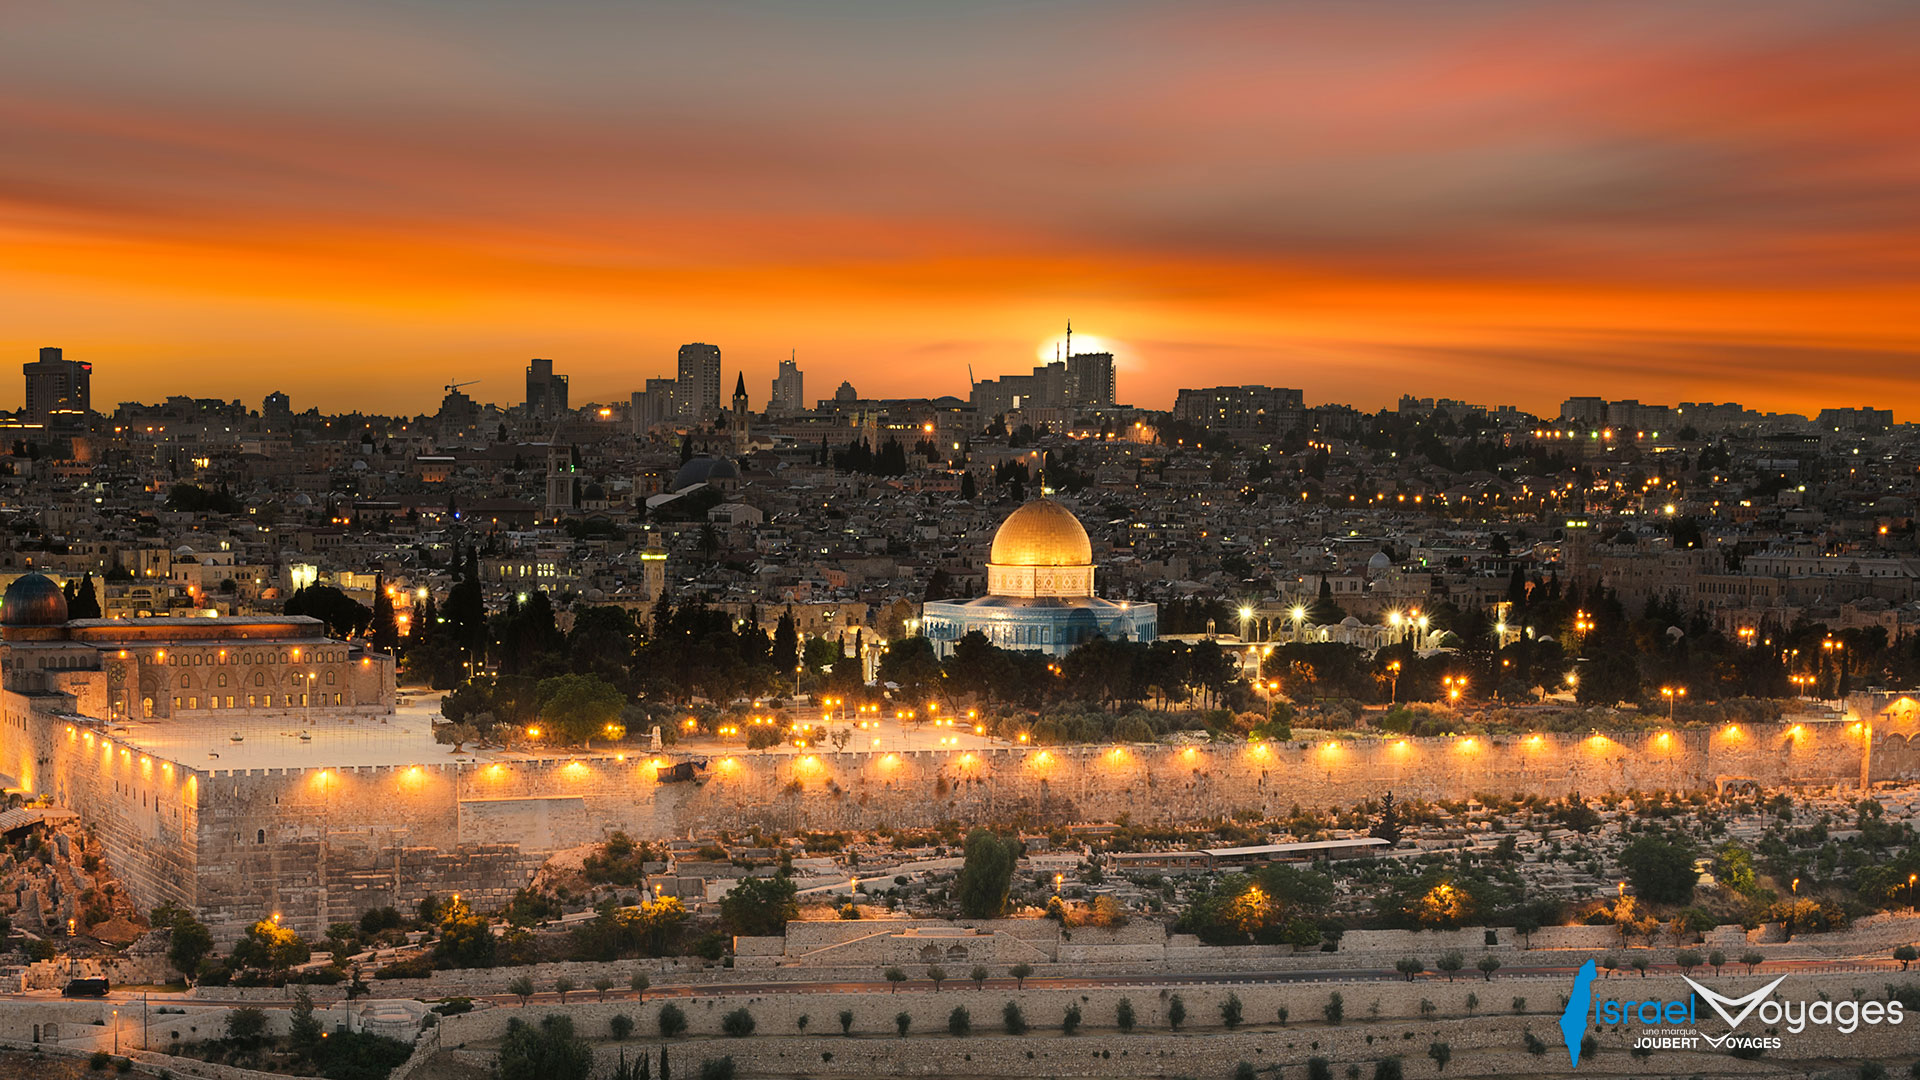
point(1673, 694)
point(1393, 674)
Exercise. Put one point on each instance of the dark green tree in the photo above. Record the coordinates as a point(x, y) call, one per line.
point(986, 875)
point(1660, 868)
point(550, 1051)
point(384, 630)
point(760, 907)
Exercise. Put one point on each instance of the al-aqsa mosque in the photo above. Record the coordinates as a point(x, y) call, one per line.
point(1039, 591)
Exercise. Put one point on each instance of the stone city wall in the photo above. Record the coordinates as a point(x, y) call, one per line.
point(322, 844)
point(146, 810)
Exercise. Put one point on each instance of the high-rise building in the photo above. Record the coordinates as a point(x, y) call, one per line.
point(654, 405)
point(788, 396)
point(1090, 380)
point(57, 385)
point(697, 390)
point(546, 392)
point(277, 411)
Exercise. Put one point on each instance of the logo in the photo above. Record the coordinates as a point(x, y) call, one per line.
point(1573, 1022)
point(1746, 1004)
point(1672, 1024)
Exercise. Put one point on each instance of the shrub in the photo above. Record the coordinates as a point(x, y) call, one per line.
point(1519, 1005)
point(1441, 1053)
point(1230, 1011)
point(1335, 1008)
point(1014, 1019)
point(716, 1068)
point(1388, 1069)
point(1319, 1069)
point(414, 967)
point(959, 1022)
point(739, 1023)
point(1244, 1071)
point(902, 1021)
point(1070, 1023)
point(1176, 1012)
point(100, 1060)
point(1535, 1044)
point(1123, 1015)
point(246, 1023)
point(621, 1026)
point(846, 1021)
point(673, 1020)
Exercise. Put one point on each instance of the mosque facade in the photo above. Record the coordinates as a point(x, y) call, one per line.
point(1040, 595)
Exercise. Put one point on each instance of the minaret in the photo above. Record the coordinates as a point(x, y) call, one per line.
point(1069, 339)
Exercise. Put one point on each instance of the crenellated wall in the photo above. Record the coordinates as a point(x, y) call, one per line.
point(323, 844)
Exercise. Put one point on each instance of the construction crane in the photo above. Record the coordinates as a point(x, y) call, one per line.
point(454, 386)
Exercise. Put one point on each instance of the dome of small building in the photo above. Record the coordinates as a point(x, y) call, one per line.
point(1041, 533)
point(1380, 561)
point(704, 470)
point(33, 600)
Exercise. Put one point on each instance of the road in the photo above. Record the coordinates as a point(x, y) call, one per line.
point(1237, 978)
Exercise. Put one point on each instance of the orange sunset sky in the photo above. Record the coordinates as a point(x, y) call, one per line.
point(1508, 203)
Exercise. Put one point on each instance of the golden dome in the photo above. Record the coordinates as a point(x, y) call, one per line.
point(1041, 533)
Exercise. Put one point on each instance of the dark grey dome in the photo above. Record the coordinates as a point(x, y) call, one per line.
point(33, 600)
point(704, 470)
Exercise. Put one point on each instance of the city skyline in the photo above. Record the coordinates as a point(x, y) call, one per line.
point(1507, 205)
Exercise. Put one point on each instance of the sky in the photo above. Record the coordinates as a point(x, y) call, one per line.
point(1509, 203)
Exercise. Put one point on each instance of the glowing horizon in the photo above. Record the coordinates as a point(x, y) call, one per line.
point(1506, 203)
